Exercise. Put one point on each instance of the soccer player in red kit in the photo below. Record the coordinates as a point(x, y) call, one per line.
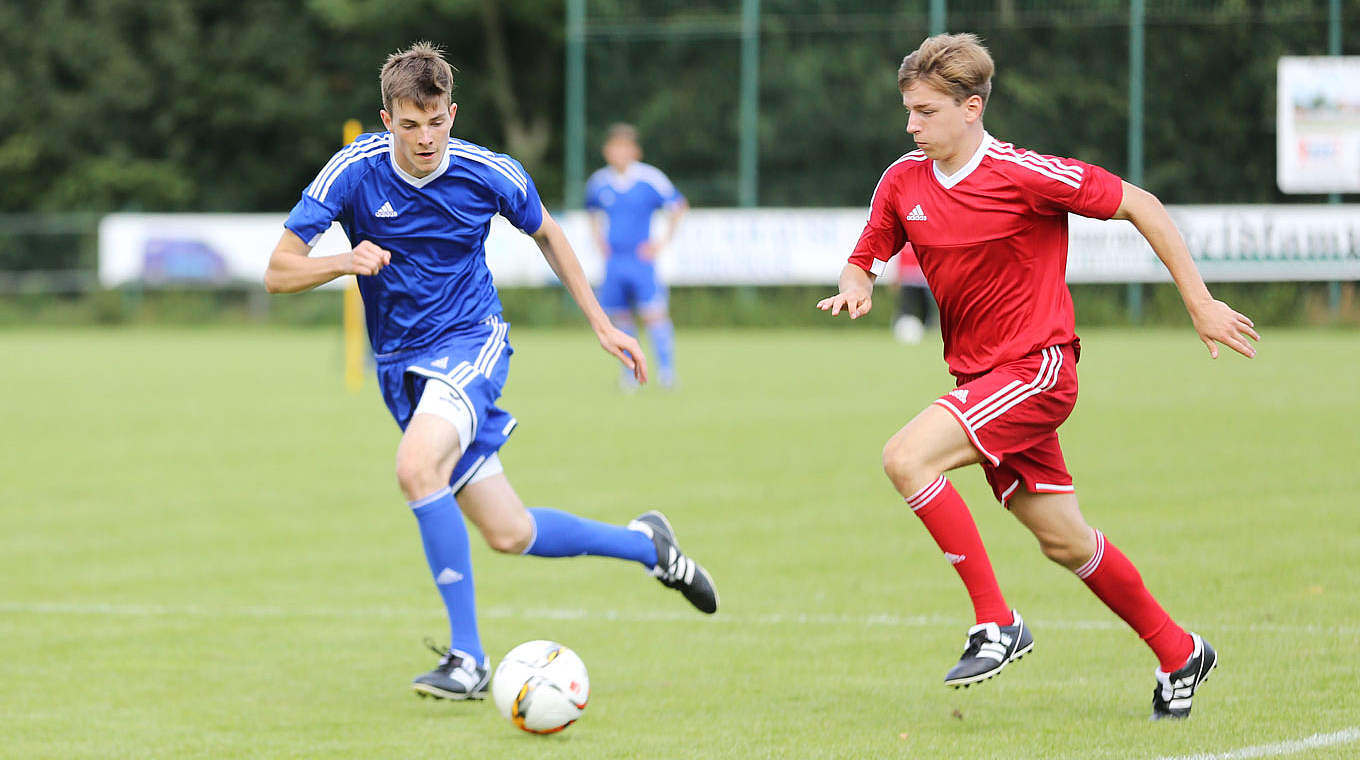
point(988, 222)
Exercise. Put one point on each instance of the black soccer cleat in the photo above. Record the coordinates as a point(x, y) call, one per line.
point(990, 647)
point(673, 568)
point(1171, 698)
point(456, 676)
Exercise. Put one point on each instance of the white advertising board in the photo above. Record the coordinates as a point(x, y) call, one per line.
point(762, 247)
point(1318, 124)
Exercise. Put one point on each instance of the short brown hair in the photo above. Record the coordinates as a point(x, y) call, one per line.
point(621, 130)
point(418, 74)
point(955, 64)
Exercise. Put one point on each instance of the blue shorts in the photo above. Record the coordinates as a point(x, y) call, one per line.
point(630, 283)
point(474, 363)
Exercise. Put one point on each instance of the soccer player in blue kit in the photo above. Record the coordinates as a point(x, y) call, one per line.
point(417, 205)
point(622, 198)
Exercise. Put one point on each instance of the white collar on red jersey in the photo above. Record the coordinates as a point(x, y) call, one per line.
point(953, 179)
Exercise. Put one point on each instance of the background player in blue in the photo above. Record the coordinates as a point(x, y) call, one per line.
point(622, 197)
point(417, 204)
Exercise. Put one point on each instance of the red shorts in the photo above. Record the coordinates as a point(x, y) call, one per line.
point(1012, 414)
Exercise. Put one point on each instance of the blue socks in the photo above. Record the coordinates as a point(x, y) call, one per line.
point(624, 321)
point(446, 549)
point(562, 534)
point(662, 334)
point(557, 534)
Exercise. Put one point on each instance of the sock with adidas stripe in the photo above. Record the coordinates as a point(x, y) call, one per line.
point(1113, 578)
point(445, 537)
point(946, 516)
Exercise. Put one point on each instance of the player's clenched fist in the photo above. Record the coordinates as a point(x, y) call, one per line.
point(367, 258)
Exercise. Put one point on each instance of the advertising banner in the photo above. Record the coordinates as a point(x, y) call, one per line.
point(760, 247)
point(1318, 124)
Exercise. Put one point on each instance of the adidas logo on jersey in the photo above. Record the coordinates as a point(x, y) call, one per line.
point(961, 394)
point(916, 215)
point(448, 576)
point(441, 363)
point(387, 212)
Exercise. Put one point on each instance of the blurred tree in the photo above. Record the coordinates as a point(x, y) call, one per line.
point(233, 105)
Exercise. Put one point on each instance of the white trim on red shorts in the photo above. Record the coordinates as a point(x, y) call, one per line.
point(1053, 488)
point(1006, 494)
point(1010, 395)
point(963, 423)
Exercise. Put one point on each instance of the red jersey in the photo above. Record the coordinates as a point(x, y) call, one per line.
point(992, 242)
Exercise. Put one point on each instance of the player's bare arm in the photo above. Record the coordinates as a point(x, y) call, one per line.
point(856, 296)
point(1215, 321)
point(650, 249)
point(557, 251)
point(292, 270)
point(597, 232)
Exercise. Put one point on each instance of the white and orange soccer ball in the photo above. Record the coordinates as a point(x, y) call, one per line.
point(541, 686)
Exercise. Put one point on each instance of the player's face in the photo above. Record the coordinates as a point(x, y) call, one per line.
point(936, 122)
point(420, 136)
point(619, 152)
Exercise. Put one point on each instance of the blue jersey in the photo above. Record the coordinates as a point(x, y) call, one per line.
point(628, 199)
point(437, 283)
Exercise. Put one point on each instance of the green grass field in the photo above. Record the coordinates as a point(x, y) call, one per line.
point(203, 553)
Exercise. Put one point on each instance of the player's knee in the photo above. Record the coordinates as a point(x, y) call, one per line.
point(903, 462)
point(510, 537)
point(417, 477)
point(1060, 549)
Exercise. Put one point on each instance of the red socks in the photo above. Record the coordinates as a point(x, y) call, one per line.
point(951, 525)
point(1112, 577)
point(1109, 574)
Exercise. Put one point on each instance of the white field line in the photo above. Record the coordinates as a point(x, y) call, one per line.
point(1291, 747)
point(628, 616)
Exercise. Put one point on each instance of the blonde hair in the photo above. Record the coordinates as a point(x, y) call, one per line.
point(955, 64)
point(418, 74)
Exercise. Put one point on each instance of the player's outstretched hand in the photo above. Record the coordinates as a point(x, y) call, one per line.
point(857, 303)
point(1216, 322)
point(625, 348)
point(368, 258)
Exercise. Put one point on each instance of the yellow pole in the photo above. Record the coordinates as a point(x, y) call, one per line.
point(352, 130)
point(353, 306)
point(354, 337)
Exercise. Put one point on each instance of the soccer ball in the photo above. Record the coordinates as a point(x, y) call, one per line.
point(541, 686)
